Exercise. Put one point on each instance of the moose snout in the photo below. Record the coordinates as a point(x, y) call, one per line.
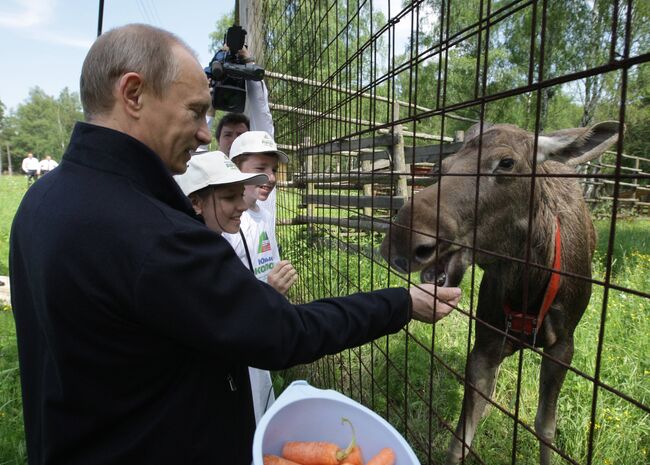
point(400, 264)
point(423, 253)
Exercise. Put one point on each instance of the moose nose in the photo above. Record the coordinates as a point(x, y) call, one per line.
point(423, 253)
point(400, 263)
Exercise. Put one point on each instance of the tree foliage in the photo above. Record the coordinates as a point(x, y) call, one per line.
point(42, 125)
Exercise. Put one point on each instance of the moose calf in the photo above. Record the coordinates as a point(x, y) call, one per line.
point(488, 217)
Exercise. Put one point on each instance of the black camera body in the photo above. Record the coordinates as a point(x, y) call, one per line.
point(228, 73)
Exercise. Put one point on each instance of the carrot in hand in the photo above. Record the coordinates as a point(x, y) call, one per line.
point(275, 460)
point(318, 453)
point(385, 456)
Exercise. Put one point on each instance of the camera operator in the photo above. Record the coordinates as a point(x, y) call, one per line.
point(256, 116)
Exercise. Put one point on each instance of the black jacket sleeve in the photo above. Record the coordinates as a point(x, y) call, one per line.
point(194, 289)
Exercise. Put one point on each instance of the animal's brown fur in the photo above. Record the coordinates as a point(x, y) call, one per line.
point(449, 221)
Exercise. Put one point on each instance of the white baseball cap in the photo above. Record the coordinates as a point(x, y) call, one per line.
point(213, 169)
point(256, 142)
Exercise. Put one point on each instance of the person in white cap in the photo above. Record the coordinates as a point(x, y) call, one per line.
point(215, 186)
point(256, 152)
point(256, 245)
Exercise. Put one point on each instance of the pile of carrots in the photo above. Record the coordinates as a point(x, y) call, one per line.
point(327, 453)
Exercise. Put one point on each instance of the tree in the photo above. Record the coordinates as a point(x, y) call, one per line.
point(42, 124)
point(221, 27)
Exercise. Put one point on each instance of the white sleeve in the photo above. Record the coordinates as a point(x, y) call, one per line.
point(257, 107)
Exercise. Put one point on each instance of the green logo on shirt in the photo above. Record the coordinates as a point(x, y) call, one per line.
point(264, 244)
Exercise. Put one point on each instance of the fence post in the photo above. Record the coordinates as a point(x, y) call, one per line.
point(366, 167)
point(398, 155)
point(309, 170)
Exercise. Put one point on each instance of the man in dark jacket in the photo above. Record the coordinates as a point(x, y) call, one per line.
point(135, 322)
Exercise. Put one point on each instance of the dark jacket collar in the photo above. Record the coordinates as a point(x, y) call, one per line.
point(108, 150)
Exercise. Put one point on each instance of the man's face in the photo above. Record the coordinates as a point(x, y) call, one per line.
point(174, 125)
point(262, 163)
point(230, 132)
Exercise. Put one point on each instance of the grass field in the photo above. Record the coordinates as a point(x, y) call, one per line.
point(622, 431)
point(12, 442)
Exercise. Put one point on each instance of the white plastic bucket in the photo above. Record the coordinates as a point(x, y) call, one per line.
point(305, 413)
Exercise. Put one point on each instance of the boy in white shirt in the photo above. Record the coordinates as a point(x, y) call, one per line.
point(256, 152)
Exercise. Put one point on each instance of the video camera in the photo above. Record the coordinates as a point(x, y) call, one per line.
point(228, 73)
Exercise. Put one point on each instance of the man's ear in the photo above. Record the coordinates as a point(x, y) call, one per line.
point(197, 204)
point(130, 88)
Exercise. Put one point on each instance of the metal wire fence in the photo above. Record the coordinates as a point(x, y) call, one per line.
point(370, 98)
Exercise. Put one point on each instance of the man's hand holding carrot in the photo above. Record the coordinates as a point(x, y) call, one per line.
point(428, 309)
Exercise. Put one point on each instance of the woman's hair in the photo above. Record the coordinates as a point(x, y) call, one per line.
point(203, 194)
point(138, 48)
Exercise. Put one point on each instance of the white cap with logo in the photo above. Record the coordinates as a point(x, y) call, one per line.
point(256, 142)
point(213, 169)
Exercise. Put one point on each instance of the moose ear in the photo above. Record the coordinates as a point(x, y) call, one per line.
point(475, 130)
point(578, 145)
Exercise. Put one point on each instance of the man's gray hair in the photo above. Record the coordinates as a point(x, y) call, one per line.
point(138, 48)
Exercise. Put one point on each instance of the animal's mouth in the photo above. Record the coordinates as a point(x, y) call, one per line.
point(447, 271)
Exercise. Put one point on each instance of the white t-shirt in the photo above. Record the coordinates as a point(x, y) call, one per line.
point(30, 164)
point(259, 232)
point(48, 165)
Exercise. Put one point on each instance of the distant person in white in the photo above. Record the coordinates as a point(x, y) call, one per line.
point(47, 165)
point(31, 167)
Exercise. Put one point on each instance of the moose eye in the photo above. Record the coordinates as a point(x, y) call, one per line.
point(506, 163)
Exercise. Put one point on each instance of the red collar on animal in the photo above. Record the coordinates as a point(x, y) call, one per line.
point(527, 323)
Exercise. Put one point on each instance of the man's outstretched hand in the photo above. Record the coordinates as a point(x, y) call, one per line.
point(428, 309)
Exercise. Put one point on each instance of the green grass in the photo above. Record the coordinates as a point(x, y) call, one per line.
point(12, 189)
point(622, 430)
point(12, 436)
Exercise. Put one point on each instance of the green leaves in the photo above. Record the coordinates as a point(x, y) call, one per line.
point(42, 125)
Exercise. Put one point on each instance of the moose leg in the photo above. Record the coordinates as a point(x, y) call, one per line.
point(484, 360)
point(551, 379)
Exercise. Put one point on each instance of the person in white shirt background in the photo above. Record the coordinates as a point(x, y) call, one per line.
point(31, 167)
point(47, 165)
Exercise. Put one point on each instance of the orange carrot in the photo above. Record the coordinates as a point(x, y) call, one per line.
point(385, 456)
point(318, 453)
point(275, 460)
point(311, 453)
point(355, 457)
